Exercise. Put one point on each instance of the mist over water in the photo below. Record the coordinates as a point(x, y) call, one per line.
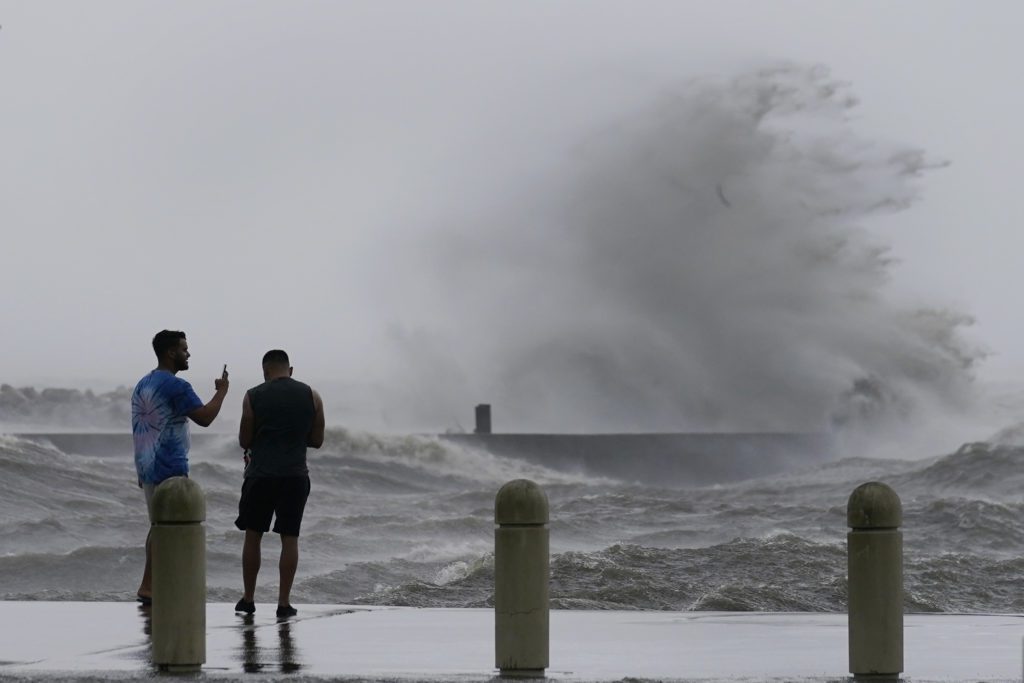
point(703, 263)
point(702, 259)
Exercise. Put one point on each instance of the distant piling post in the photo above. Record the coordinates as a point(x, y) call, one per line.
point(483, 419)
point(179, 575)
point(521, 575)
point(875, 557)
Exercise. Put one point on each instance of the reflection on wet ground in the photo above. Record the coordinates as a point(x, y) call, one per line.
point(257, 655)
point(259, 652)
point(146, 612)
point(145, 653)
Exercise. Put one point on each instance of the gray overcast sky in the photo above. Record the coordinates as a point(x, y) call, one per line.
point(268, 174)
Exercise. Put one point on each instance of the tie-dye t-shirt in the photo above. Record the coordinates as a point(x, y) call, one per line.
point(160, 403)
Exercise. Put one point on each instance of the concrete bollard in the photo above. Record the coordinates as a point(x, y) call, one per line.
point(178, 540)
point(521, 574)
point(875, 555)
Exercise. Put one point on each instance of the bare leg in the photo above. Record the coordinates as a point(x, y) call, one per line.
point(146, 587)
point(289, 563)
point(250, 563)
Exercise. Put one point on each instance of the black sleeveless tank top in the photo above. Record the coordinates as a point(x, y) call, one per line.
point(283, 416)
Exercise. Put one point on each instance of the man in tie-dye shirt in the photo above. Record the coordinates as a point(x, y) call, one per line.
point(162, 404)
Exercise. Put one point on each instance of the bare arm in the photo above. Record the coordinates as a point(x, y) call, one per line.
point(316, 432)
point(245, 427)
point(205, 415)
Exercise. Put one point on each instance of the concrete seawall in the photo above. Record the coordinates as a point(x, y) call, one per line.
point(665, 459)
point(678, 459)
point(109, 443)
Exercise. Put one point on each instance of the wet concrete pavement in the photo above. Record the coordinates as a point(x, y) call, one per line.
point(83, 641)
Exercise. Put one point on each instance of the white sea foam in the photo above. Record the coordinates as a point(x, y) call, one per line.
point(441, 457)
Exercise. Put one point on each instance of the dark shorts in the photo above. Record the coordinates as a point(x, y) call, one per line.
point(283, 498)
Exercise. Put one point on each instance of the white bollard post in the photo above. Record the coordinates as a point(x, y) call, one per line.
point(179, 575)
point(875, 556)
point(521, 575)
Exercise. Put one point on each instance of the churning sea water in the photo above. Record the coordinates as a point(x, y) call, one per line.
point(409, 521)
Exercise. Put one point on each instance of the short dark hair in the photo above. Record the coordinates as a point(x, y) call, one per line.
point(165, 340)
point(276, 357)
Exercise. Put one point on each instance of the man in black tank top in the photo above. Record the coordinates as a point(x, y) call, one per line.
point(280, 419)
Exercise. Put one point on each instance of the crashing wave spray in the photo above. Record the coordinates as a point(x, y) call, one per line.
point(702, 265)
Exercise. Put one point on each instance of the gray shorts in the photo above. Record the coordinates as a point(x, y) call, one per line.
point(148, 489)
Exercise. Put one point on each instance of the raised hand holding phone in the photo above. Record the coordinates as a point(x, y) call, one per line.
point(222, 383)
